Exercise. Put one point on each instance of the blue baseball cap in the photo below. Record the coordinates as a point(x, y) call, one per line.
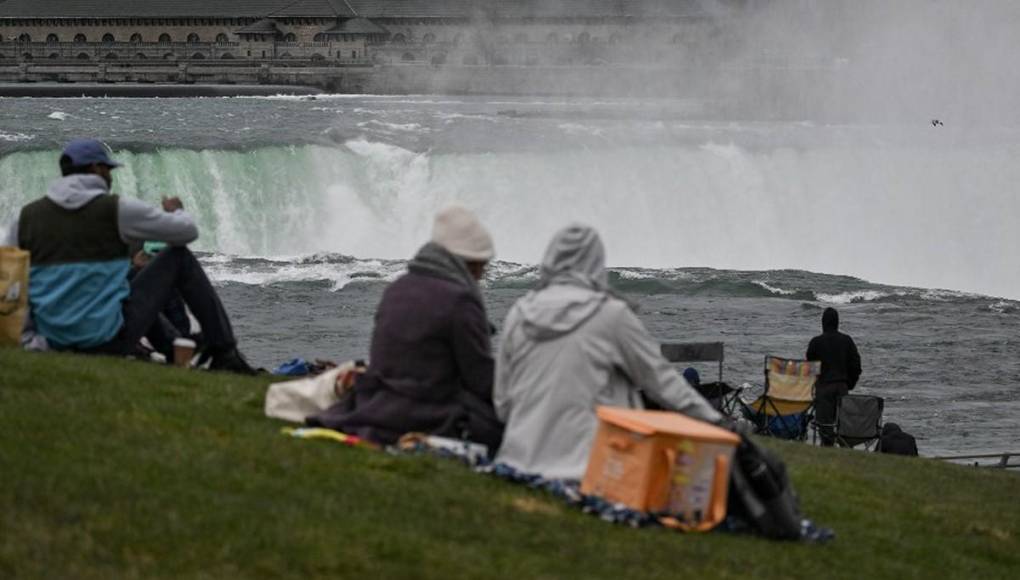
point(85, 152)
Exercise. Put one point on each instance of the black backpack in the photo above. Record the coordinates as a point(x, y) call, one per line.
point(761, 498)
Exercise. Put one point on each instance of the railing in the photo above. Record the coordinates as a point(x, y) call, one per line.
point(1005, 460)
point(312, 44)
point(117, 44)
point(141, 64)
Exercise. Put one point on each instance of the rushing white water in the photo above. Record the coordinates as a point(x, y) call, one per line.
point(933, 216)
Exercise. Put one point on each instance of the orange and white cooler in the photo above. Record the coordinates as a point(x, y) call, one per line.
point(663, 463)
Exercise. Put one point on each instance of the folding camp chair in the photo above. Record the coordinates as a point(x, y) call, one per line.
point(722, 396)
point(859, 421)
point(786, 408)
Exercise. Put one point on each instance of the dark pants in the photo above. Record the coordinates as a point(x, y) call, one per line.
point(174, 272)
point(827, 398)
point(163, 332)
point(171, 324)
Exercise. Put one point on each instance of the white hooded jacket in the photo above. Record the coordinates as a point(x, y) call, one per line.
point(569, 347)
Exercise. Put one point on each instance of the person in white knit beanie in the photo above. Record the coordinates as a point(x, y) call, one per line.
point(431, 359)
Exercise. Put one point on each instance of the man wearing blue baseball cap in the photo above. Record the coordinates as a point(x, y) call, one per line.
point(79, 294)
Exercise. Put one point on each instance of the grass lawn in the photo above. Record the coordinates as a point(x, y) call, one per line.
point(116, 469)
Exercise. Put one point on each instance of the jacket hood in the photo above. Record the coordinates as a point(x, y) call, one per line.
point(573, 284)
point(830, 320)
point(890, 429)
point(577, 257)
point(76, 191)
point(558, 310)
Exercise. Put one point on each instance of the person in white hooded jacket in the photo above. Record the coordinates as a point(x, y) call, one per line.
point(568, 347)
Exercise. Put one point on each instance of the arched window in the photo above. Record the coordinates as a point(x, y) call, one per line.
point(318, 57)
point(286, 55)
point(226, 56)
point(136, 38)
point(470, 60)
point(193, 38)
point(398, 38)
point(111, 56)
point(615, 38)
point(320, 37)
point(552, 38)
point(222, 38)
point(108, 38)
point(25, 37)
point(26, 56)
point(169, 56)
point(198, 56)
point(80, 38)
point(677, 38)
point(52, 39)
point(428, 38)
point(457, 38)
point(54, 55)
point(583, 38)
point(82, 56)
point(165, 38)
point(521, 38)
point(407, 57)
point(500, 59)
point(140, 56)
point(438, 59)
point(290, 37)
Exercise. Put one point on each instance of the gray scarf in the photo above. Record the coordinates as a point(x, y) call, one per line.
point(436, 261)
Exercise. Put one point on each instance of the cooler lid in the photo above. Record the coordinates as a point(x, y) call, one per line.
point(666, 423)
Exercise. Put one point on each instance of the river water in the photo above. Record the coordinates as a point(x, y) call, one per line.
point(720, 230)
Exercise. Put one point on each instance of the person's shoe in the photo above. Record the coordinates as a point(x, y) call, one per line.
point(231, 361)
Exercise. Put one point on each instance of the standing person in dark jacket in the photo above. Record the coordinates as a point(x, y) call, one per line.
point(431, 366)
point(841, 368)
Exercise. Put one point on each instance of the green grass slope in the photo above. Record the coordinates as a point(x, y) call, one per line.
point(116, 469)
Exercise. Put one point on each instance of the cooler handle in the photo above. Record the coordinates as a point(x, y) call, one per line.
point(620, 443)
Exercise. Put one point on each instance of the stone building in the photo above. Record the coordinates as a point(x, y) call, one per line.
point(432, 33)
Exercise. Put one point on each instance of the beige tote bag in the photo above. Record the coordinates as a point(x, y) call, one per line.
point(14, 264)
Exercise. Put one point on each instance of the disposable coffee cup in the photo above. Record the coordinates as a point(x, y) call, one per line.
point(184, 349)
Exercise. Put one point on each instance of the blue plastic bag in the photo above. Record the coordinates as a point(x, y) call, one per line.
point(297, 367)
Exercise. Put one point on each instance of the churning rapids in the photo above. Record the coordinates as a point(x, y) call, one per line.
point(719, 230)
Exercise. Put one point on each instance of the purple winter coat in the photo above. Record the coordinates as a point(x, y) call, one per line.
point(431, 368)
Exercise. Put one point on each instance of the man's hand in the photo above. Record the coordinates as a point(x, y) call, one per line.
point(172, 204)
point(140, 260)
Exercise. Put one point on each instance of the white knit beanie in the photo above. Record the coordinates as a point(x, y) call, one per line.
point(458, 230)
